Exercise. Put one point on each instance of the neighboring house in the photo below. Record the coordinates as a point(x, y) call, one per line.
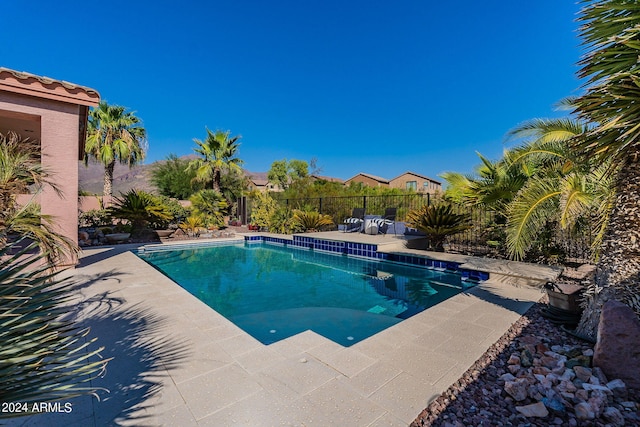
point(326, 178)
point(367, 179)
point(416, 182)
point(258, 181)
point(53, 112)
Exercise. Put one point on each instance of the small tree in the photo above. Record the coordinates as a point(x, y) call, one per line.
point(173, 178)
point(285, 173)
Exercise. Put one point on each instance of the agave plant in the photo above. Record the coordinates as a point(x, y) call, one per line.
point(44, 356)
point(311, 220)
point(139, 208)
point(438, 222)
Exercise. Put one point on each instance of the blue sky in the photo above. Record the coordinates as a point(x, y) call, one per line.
point(363, 86)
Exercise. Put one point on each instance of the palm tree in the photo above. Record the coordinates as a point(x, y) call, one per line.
point(218, 152)
point(494, 184)
point(564, 187)
point(114, 135)
point(610, 32)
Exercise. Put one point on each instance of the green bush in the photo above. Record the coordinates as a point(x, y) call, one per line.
point(264, 207)
point(140, 209)
point(94, 218)
point(311, 220)
point(438, 222)
point(211, 206)
point(281, 221)
point(177, 211)
point(172, 178)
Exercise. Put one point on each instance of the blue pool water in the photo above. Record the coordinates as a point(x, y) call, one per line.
point(274, 292)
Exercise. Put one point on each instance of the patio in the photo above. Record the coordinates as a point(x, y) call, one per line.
point(178, 362)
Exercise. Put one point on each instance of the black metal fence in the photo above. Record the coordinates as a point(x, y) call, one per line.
point(486, 236)
point(341, 207)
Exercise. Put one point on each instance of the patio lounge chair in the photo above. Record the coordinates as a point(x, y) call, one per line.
point(355, 221)
point(387, 220)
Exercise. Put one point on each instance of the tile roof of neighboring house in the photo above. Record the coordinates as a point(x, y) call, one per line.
point(418, 175)
point(258, 178)
point(45, 87)
point(375, 178)
point(328, 178)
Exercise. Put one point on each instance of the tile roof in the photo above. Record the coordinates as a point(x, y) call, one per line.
point(46, 87)
point(375, 178)
point(418, 175)
point(327, 178)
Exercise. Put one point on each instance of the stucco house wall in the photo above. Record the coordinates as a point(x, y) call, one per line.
point(53, 112)
point(371, 181)
point(424, 184)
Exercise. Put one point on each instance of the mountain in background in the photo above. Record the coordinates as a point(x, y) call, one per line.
point(91, 177)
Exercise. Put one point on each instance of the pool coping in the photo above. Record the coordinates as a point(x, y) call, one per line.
point(229, 377)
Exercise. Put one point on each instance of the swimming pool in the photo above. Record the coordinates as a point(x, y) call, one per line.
point(273, 293)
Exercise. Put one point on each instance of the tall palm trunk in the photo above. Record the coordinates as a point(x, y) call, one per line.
point(108, 182)
point(216, 179)
point(618, 270)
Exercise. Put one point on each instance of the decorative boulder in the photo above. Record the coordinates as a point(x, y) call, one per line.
point(617, 350)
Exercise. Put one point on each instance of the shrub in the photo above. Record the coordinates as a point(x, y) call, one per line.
point(264, 207)
point(95, 218)
point(281, 221)
point(173, 179)
point(140, 209)
point(176, 210)
point(211, 206)
point(438, 222)
point(193, 225)
point(311, 220)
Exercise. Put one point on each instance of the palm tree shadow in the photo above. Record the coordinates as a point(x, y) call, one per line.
point(143, 354)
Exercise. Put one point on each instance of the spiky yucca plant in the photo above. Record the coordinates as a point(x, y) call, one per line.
point(438, 222)
point(311, 220)
point(44, 355)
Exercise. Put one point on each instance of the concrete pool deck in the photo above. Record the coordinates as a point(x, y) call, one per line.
point(177, 362)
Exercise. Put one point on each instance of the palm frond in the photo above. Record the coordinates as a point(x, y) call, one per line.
point(529, 213)
point(311, 220)
point(42, 356)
